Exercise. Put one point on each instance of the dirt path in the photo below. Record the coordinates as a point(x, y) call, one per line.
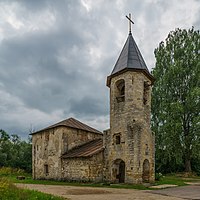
point(89, 193)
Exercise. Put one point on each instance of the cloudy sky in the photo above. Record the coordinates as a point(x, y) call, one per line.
point(55, 55)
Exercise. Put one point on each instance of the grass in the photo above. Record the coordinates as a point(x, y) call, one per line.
point(168, 179)
point(174, 179)
point(8, 191)
point(177, 179)
point(29, 180)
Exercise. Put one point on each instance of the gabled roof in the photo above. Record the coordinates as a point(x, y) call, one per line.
point(130, 59)
point(88, 149)
point(72, 123)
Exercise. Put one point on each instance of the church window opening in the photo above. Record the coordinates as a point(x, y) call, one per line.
point(46, 169)
point(147, 150)
point(145, 92)
point(118, 139)
point(120, 90)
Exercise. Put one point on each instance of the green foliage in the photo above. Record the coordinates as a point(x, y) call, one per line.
point(172, 180)
point(5, 171)
point(176, 101)
point(158, 176)
point(14, 152)
point(196, 166)
point(9, 191)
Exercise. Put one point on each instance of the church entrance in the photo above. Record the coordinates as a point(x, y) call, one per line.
point(146, 171)
point(118, 171)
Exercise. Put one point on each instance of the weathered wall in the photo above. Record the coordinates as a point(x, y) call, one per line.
point(83, 169)
point(131, 120)
point(50, 144)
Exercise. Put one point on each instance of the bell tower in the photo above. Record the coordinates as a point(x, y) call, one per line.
point(129, 143)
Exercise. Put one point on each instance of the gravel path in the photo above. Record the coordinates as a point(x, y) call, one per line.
point(90, 193)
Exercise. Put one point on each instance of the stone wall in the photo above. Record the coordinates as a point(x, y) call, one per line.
point(130, 120)
point(83, 169)
point(49, 145)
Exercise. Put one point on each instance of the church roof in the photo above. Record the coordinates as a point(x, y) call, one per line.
point(130, 58)
point(88, 149)
point(72, 123)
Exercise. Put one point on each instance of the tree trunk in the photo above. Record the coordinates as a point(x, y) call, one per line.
point(188, 165)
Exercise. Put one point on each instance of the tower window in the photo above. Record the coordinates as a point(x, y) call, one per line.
point(118, 139)
point(145, 92)
point(46, 169)
point(120, 90)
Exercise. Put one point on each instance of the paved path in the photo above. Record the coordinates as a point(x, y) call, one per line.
point(90, 193)
point(186, 192)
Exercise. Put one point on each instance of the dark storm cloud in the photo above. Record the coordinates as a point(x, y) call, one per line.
point(55, 55)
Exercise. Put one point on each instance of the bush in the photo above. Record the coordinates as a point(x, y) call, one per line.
point(9, 171)
point(158, 176)
point(196, 166)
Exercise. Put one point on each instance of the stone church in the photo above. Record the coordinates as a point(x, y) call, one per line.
point(73, 151)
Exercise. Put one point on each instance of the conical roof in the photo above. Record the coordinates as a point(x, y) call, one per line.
point(130, 59)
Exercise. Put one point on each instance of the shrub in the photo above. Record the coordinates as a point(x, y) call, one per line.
point(158, 176)
point(8, 171)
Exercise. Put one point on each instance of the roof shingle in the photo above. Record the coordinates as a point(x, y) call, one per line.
point(88, 149)
point(130, 58)
point(72, 123)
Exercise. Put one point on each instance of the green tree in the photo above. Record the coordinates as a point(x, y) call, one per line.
point(176, 101)
point(14, 152)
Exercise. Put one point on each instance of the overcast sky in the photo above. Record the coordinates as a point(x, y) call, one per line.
point(55, 55)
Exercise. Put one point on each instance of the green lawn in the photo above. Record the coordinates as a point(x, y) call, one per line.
point(8, 191)
point(168, 179)
point(174, 179)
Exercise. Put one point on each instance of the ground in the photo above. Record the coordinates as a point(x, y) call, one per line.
point(89, 193)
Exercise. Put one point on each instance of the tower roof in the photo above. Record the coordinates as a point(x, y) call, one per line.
point(130, 59)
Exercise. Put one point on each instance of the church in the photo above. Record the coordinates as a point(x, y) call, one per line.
point(73, 151)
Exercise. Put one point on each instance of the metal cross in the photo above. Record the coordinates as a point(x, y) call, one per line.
point(130, 21)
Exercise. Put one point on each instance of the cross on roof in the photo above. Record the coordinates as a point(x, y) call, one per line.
point(130, 21)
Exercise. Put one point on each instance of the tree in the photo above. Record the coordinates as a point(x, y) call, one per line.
point(176, 100)
point(14, 152)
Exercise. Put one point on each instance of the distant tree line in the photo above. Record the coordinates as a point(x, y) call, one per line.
point(14, 152)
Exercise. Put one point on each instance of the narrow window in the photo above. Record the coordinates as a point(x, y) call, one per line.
point(120, 90)
point(145, 92)
point(46, 169)
point(118, 139)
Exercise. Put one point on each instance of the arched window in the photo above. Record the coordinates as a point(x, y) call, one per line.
point(120, 90)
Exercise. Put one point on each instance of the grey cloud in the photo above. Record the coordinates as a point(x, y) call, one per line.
point(58, 68)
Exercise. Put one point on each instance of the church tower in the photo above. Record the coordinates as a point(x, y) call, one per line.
point(129, 143)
